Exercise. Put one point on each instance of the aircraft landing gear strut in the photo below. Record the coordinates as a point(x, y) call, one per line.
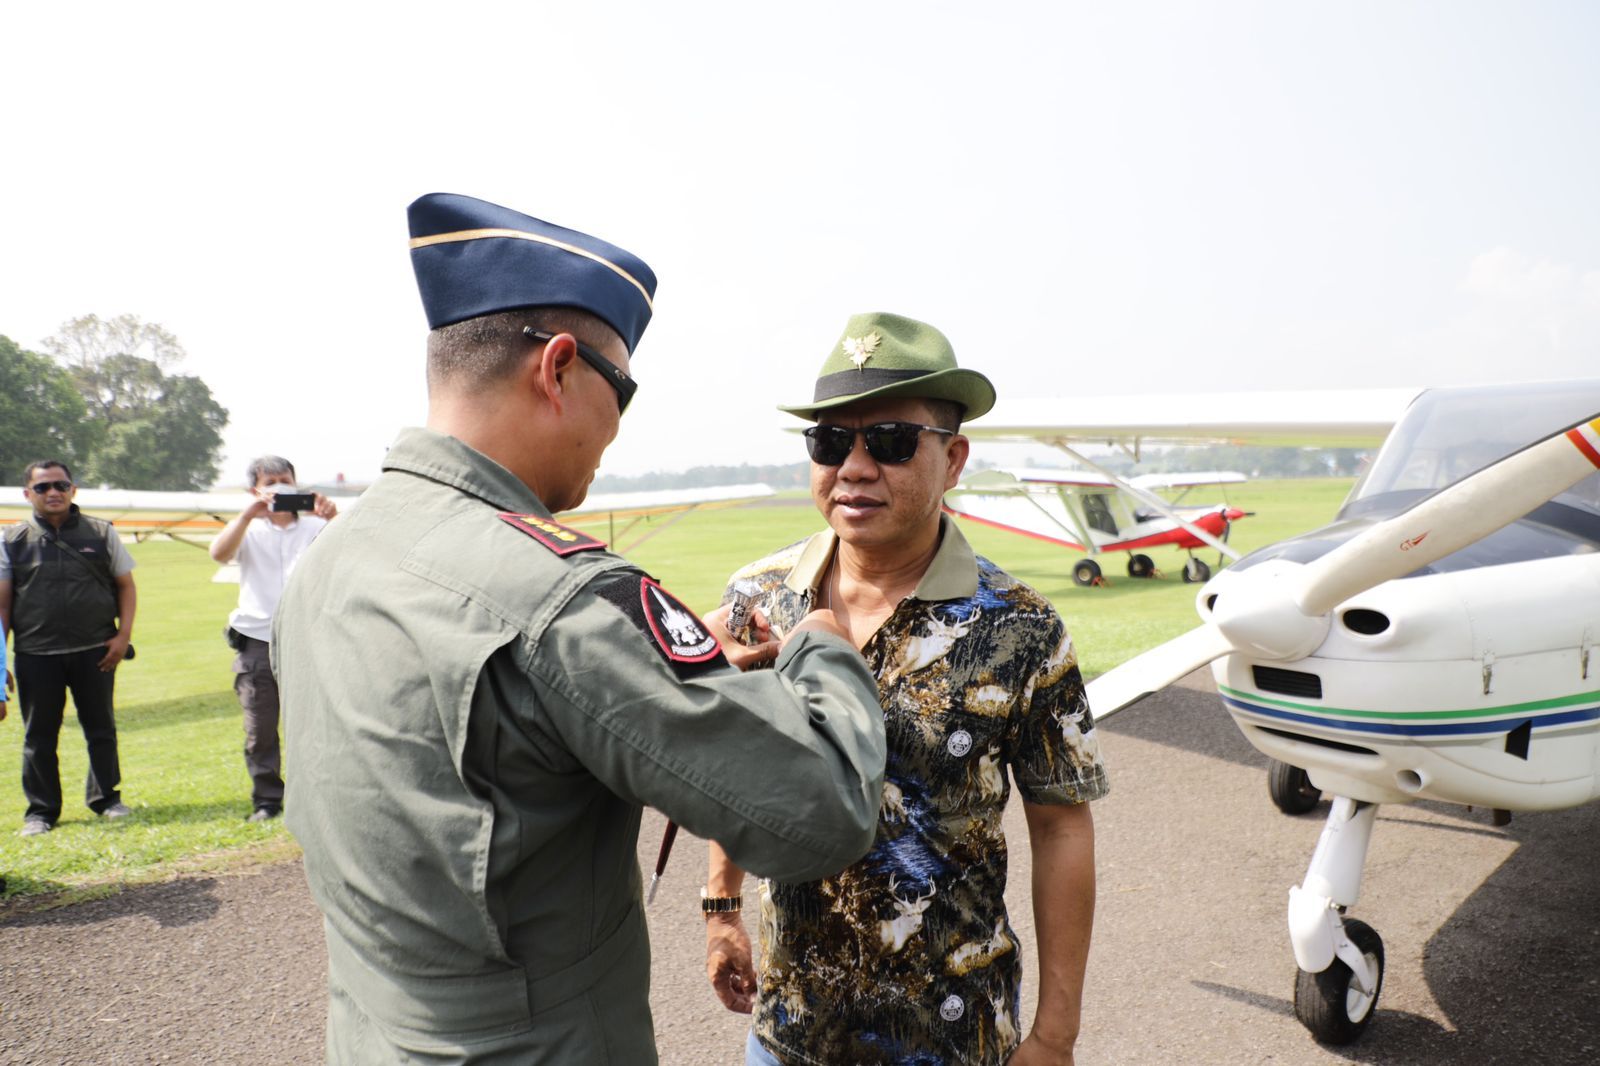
point(1340, 960)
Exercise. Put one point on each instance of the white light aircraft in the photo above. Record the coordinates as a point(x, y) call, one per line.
point(1436, 642)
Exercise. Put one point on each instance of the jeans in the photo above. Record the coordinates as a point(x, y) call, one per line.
point(756, 1055)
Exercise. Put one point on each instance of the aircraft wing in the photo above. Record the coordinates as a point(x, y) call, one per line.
point(1188, 480)
point(1332, 418)
point(670, 499)
point(143, 513)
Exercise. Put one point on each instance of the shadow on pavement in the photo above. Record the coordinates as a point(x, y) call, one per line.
point(172, 904)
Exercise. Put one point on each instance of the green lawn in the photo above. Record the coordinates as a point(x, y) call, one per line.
point(179, 725)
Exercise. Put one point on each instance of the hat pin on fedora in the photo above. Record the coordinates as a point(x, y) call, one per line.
point(860, 349)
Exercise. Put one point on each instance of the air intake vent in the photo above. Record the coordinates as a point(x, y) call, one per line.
point(1287, 682)
point(1365, 621)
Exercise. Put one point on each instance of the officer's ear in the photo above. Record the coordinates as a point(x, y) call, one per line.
point(547, 369)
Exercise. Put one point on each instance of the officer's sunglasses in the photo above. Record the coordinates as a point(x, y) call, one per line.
point(887, 442)
point(42, 487)
point(613, 373)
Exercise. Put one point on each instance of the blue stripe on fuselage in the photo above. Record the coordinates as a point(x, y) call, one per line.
point(1478, 727)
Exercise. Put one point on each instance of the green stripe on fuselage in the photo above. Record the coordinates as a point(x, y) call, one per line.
point(1417, 716)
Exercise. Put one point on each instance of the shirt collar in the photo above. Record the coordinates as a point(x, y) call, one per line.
point(71, 520)
point(448, 461)
point(952, 575)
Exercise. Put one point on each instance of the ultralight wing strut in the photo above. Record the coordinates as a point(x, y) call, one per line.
point(1147, 497)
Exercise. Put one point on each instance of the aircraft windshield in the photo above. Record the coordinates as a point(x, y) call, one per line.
point(1447, 434)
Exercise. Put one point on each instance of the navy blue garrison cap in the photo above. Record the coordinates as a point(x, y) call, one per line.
point(475, 258)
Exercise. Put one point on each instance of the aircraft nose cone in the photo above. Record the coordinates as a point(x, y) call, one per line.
point(1258, 616)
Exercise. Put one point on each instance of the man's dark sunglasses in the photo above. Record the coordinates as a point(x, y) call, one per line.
point(42, 487)
point(887, 442)
point(613, 373)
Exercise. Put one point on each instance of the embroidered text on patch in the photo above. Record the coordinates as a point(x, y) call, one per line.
point(679, 632)
point(553, 535)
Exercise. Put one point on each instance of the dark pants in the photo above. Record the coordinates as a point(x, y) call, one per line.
point(258, 695)
point(42, 685)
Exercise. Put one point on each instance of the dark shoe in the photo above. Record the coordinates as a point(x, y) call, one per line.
point(264, 814)
point(33, 827)
point(116, 810)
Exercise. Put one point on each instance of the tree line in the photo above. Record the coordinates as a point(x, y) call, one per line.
point(1255, 462)
point(102, 397)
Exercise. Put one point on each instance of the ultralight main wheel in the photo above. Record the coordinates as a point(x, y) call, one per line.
point(1086, 572)
point(1141, 566)
point(1330, 1004)
point(1196, 572)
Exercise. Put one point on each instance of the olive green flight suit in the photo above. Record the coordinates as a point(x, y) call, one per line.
point(472, 727)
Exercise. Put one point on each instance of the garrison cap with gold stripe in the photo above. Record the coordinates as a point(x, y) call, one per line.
point(475, 258)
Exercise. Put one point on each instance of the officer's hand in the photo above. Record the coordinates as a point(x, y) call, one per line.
point(743, 656)
point(116, 648)
point(324, 508)
point(728, 962)
point(3, 702)
point(820, 621)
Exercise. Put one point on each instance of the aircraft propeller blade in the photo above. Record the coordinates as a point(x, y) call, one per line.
point(1451, 519)
point(1154, 670)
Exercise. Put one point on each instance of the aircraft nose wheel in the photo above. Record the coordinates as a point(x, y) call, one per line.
point(1291, 789)
point(1196, 572)
point(1331, 1004)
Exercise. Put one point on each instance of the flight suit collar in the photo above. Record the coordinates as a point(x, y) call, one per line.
point(448, 461)
point(952, 575)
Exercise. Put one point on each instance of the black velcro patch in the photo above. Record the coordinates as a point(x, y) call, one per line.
point(553, 535)
point(672, 629)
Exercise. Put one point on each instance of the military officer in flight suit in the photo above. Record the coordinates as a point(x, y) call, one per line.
point(478, 700)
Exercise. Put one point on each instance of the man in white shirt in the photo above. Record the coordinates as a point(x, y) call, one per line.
point(267, 542)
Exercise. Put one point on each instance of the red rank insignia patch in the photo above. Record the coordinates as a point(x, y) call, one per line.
point(553, 535)
point(677, 630)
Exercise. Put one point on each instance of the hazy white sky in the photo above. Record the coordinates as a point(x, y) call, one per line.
point(1088, 198)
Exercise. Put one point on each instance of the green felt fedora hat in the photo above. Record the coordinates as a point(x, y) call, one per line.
point(882, 355)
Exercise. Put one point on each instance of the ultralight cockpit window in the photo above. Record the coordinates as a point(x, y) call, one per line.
point(1447, 434)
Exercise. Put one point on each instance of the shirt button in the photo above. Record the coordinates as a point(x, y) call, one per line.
point(952, 1009)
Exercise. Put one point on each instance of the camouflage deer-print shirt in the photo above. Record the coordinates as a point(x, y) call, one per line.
point(908, 955)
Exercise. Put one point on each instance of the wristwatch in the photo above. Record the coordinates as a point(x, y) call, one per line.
point(710, 904)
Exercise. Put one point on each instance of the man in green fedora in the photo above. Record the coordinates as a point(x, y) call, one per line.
point(908, 955)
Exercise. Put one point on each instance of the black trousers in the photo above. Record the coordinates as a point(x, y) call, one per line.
point(42, 685)
point(258, 697)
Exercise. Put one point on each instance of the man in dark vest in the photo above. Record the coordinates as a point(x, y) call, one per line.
point(67, 600)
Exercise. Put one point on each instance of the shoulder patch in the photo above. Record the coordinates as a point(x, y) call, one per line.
point(553, 535)
point(676, 632)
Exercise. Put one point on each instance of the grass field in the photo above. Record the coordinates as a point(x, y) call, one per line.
point(179, 725)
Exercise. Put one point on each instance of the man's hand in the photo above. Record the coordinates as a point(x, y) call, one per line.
point(729, 963)
point(260, 503)
point(1034, 1051)
point(2, 701)
point(116, 648)
point(743, 656)
point(324, 508)
point(820, 621)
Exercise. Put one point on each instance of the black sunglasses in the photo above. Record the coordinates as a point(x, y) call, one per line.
point(42, 487)
point(613, 373)
point(887, 442)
